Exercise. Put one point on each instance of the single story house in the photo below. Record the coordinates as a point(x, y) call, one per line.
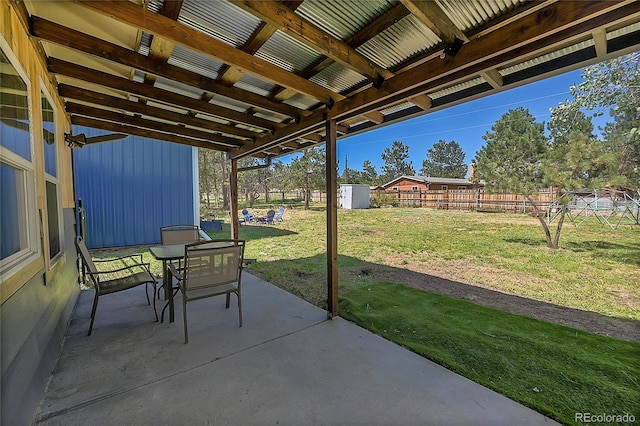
point(427, 183)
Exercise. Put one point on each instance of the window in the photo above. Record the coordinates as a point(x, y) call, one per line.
point(462, 187)
point(444, 187)
point(18, 219)
point(414, 188)
point(51, 176)
point(394, 188)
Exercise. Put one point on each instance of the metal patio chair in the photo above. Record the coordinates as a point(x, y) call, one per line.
point(211, 268)
point(134, 273)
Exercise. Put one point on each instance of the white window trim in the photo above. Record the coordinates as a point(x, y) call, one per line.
point(17, 261)
point(444, 187)
point(415, 188)
point(54, 179)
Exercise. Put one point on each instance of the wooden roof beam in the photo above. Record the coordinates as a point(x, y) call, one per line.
point(132, 130)
point(518, 39)
point(193, 39)
point(423, 101)
point(55, 33)
point(96, 98)
point(134, 120)
point(286, 20)
point(493, 77)
point(430, 14)
point(58, 66)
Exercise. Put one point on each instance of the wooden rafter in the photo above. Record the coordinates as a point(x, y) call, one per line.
point(159, 25)
point(68, 69)
point(430, 14)
point(557, 21)
point(55, 33)
point(287, 21)
point(96, 98)
point(135, 120)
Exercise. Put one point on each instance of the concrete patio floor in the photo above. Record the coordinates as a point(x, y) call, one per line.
point(288, 364)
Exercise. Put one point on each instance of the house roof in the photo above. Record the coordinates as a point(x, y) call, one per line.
point(261, 78)
point(428, 180)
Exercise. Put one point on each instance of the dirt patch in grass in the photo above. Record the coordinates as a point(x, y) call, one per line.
point(620, 328)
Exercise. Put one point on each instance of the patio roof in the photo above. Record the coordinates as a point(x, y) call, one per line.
point(261, 78)
point(288, 364)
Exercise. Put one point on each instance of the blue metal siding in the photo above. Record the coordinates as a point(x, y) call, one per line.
point(132, 187)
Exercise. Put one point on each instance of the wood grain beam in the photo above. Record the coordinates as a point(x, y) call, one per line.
point(430, 14)
point(493, 77)
point(193, 39)
point(510, 41)
point(287, 21)
point(423, 101)
point(67, 91)
point(58, 66)
point(551, 25)
point(55, 33)
point(132, 130)
point(306, 125)
point(118, 117)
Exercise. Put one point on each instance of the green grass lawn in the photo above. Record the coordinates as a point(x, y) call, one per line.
point(553, 369)
point(596, 268)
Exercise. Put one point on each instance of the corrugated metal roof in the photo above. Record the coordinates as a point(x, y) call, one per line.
point(337, 77)
point(399, 42)
point(301, 101)
point(221, 20)
point(456, 88)
point(145, 43)
point(470, 14)
point(230, 103)
point(175, 87)
point(623, 31)
point(398, 107)
point(545, 58)
point(193, 61)
point(288, 53)
point(342, 19)
point(253, 84)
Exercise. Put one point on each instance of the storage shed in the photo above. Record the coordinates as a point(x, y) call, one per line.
point(354, 196)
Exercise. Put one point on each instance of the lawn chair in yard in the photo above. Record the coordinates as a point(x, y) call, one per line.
point(268, 219)
point(132, 274)
point(278, 216)
point(248, 217)
point(211, 268)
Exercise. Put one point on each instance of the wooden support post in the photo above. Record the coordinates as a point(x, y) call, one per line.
point(233, 202)
point(332, 219)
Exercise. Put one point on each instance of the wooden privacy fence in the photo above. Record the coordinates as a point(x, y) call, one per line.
point(469, 199)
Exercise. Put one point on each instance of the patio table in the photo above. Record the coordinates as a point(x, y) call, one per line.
point(167, 253)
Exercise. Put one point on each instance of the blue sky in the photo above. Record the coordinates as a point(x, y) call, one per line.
point(465, 124)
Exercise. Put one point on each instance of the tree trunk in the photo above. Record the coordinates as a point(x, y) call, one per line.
point(556, 240)
point(540, 216)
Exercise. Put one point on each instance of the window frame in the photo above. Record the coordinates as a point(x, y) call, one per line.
point(444, 187)
point(415, 188)
point(28, 210)
point(55, 180)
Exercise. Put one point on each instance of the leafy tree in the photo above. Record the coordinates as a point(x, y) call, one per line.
point(307, 172)
point(612, 85)
point(446, 160)
point(395, 161)
point(513, 159)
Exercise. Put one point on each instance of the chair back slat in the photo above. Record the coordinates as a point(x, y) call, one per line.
point(209, 265)
point(86, 257)
point(179, 234)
